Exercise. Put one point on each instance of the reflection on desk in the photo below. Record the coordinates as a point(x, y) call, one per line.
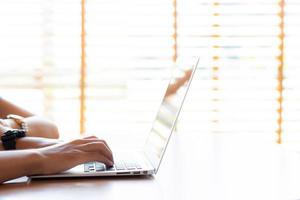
point(200, 166)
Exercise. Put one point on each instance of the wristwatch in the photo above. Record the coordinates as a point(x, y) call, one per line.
point(19, 120)
point(10, 136)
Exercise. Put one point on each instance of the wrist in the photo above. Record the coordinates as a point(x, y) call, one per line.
point(11, 124)
point(6, 124)
point(35, 163)
point(3, 127)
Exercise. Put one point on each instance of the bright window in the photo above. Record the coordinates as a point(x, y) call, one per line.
point(99, 69)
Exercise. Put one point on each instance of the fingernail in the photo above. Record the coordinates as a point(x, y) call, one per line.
point(111, 163)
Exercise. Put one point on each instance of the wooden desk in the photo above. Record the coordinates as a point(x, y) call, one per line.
point(195, 167)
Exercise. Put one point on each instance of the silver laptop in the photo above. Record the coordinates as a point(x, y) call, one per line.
point(147, 160)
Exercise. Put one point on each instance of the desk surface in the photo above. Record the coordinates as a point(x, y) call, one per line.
point(195, 167)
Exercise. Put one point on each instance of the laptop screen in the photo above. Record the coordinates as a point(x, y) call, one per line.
point(166, 117)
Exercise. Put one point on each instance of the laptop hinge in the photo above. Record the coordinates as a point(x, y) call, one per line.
point(149, 160)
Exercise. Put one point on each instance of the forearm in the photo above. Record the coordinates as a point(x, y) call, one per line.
point(41, 127)
point(37, 127)
point(7, 108)
point(18, 163)
point(53, 159)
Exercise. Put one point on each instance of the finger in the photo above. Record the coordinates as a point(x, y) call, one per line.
point(84, 140)
point(106, 145)
point(78, 141)
point(95, 139)
point(90, 137)
point(97, 147)
point(98, 157)
point(91, 140)
point(107, 148)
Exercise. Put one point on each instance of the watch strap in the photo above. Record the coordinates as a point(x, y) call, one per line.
point(9, 138)
point(9, 142)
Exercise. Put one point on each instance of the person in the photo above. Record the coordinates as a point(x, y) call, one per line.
point(40, 151)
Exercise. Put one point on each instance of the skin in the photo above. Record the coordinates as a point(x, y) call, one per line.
point(38, 126)
point(32, 143)
point(7, 108)
point(41, 153)
point(53, 158)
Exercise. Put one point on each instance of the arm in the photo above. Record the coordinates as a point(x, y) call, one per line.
point(29, 142)
point(7, 108)
point(53, 159)
point(38, 126)
point(18, 163)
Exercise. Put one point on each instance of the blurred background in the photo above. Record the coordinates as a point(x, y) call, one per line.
point(97, 66)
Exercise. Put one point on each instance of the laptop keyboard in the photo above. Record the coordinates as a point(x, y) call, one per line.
point(97, 166)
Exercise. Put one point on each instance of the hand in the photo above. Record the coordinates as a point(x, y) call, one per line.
point(63, 156)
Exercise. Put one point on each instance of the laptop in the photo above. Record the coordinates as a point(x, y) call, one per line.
point(147, 160)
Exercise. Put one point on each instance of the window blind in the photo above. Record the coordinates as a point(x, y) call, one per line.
point(128, 49)
point(237, 86)
point(40, 58)
point(291, 71)
point(246, 83)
